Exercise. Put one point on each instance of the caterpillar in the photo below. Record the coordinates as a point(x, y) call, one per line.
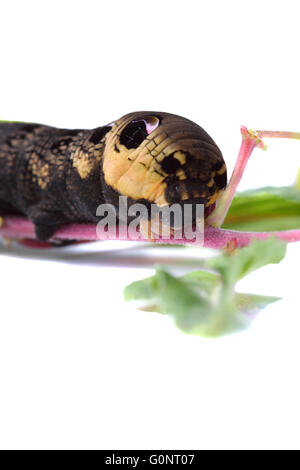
point(58, 176)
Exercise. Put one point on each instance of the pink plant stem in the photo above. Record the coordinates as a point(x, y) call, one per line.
point(219, 238)
point(21, 228)
point(250, 140)
point(279, 134)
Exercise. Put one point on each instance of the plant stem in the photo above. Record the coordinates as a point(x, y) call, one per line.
point(250, 140)
point(279, 134)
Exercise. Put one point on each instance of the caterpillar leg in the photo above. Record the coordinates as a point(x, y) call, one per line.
point(46, 223)
point(154, 228)
point(45, 232)
point(145, 230)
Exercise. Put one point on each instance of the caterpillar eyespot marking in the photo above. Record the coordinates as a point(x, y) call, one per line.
point(60, 176)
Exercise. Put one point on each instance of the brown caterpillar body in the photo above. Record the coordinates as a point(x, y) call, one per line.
point(57, 176)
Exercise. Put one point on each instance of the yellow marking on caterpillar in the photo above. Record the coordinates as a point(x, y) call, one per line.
point(198, 194)
point(159, 158)
point(222, 170)
point(139, 183)
point(160, 147)
point(83, 162)
point(160, 138)
point(151, 146)
point(180, 156)
point(184, 196)
point(124, 173)
point(181, 174)
point(214, 198)
point(40, 170)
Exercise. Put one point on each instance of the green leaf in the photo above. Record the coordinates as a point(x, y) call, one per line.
point(242, 261)
point(251, 304)
point(205, 302)
point(181, 301)
point(239, 316)
point(145, 289)
point(265, 209)
point(204, 281)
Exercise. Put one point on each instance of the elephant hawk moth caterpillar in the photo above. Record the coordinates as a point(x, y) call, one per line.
point(57, 176)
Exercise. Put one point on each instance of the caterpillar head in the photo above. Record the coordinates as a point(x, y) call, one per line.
point(163, 159)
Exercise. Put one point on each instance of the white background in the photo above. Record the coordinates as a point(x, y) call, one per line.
point(78, 367)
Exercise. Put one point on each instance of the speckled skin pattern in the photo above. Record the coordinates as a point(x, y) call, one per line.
point(59, 176)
